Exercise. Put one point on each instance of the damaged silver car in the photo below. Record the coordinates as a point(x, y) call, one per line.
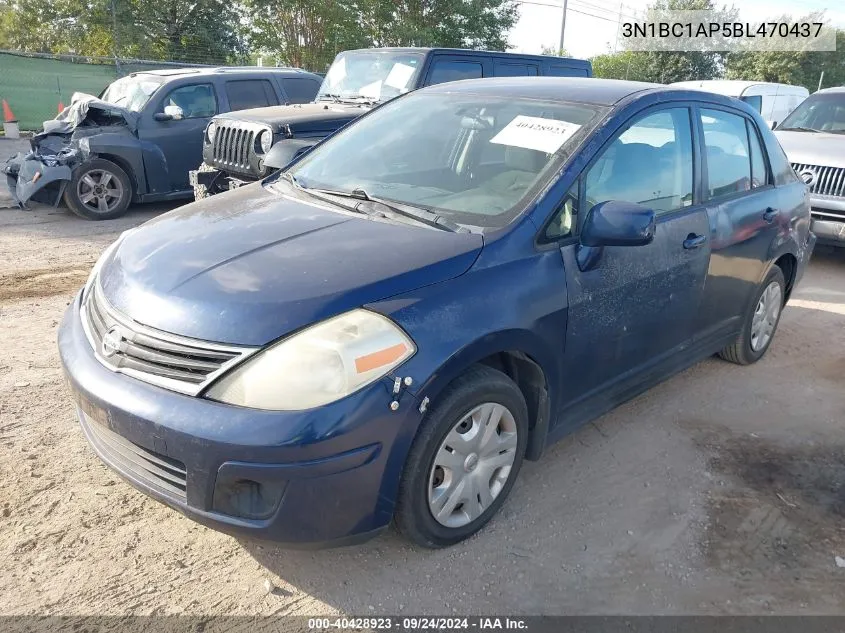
point(139, 139)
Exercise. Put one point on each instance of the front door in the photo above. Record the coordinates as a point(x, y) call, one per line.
point(635, 305)
point(180, 139)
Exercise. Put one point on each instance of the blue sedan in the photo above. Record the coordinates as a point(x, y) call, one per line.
point(387, 328)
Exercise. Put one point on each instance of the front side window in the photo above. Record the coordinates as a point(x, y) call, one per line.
point(444, 70)
point(726, 148)
point(197, 101)
point(650, 163)
point(474, 158)
point(250, 93)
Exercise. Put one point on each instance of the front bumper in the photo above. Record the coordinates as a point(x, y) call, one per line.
point(216, 181)
point(828, 215)
point(329, 475)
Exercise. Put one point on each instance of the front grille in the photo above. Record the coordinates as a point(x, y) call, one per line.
point(826, 181)
point(178, 363)
point(234, 145)
point(159, 471)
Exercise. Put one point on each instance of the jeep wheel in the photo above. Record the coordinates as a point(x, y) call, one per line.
point(98, 190)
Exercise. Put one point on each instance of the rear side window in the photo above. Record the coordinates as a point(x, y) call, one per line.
point(755, 101)
point(514, 70)
point(726, 148)
point(759, 172)
point(445, 70)
point(300, 89)
point(250, 93)
point(565, 71)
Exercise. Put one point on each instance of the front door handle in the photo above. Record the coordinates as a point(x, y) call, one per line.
point(694, 241)
point(770, 215)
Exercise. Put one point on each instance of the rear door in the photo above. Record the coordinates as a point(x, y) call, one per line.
point(636, 306)
point(444, 68)
point(744, 213)
point(181, 140)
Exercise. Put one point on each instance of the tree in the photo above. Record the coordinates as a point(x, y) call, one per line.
point(802, 68)
point(665, 66)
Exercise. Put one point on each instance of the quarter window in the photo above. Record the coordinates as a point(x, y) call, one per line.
point(726, 147)
point(650, 163)
point(759, 173)
point(444, 71)
point(197, 101)
point(755, 101)
point(563, 222)
point(250, 93)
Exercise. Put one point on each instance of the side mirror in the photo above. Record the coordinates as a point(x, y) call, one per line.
point(285, 151)
point(171, 113)
point(615, 223)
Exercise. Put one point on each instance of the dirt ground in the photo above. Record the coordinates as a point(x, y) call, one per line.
point(720, 491)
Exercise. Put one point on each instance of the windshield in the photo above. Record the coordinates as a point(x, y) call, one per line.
point(131, 93)
point(370, 75)
point(818, 113)
point(473, 158)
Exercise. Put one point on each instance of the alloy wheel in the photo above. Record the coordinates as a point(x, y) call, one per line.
point(99, 190)
point(766, 316)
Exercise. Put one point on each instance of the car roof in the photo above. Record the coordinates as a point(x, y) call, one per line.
point(175, 73)
point(576, 89)
point(831, 90)
point(459, 51)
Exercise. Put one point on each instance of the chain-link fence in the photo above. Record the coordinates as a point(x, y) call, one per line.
point(35, 84)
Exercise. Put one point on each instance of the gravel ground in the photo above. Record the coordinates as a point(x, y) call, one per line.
point(720, 491)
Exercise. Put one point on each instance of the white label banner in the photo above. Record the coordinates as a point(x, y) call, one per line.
point(530, 132)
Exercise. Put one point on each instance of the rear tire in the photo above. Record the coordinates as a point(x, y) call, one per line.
point(454, 467)
point(761, 321)
point(98, 190)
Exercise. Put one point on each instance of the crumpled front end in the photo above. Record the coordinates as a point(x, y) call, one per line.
point(42, 173)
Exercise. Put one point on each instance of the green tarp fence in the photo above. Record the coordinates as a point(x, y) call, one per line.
point(35, 85)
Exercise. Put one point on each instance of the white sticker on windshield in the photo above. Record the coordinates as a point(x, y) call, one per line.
point(531, 132)
point(371, 91)
point(399, 76)
point(337, 72)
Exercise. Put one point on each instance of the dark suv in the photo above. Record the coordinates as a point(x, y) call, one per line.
point(236, 147)
point(137, 142)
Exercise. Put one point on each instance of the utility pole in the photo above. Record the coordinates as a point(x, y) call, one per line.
point(821, 78)
point(618, 27)
point(562, 28)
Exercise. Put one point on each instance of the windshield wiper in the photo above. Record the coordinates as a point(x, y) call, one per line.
point(328, 96)
point(413, 212)
point(322, 194)
point(798, 129)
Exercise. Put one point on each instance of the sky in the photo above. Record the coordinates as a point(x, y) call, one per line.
point(591, 25)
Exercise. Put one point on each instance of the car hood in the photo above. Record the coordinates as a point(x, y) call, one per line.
point(813, 148)
point(249, 266)
point(304, 117)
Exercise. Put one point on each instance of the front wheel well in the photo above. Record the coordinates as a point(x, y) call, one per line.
point(125, 166)
point(788, 265)
point(532, 382)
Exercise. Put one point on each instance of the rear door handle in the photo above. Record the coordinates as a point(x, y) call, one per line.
point(694, 241)
point(770, 215)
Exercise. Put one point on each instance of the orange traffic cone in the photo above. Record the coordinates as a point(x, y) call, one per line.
point(10, 123)
point(8, 116)
point(61, 107)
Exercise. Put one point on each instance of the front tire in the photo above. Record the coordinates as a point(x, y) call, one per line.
point(464, 460)
point(98, 190)
point(761, 321)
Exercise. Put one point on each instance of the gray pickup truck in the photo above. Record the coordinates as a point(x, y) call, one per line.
point(140, 138)
point(242, 147)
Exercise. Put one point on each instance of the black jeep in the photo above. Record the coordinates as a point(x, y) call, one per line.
point(237, 145)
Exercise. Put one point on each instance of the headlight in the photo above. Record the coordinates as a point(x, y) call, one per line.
point(266, 140)
point(319, 365)
point(99, 264)
point(210, 131)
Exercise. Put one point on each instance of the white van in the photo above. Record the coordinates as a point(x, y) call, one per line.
point(773, 101)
